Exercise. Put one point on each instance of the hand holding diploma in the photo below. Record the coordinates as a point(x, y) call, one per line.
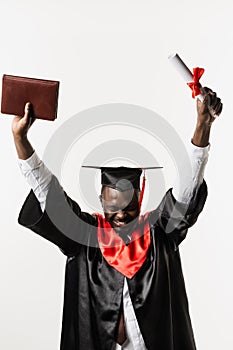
point(211, 103)
point(206, 112)
point(210, 107)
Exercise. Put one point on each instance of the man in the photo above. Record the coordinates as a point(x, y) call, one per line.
point(124, 287)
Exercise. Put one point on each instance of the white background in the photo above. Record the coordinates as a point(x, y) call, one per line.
point(116, 51)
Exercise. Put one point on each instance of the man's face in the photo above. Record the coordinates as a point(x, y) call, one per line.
point(120, 208)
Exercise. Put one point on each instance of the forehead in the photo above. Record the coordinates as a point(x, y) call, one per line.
point(112, 195)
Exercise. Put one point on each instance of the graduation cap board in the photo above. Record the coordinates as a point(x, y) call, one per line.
point(123, 178)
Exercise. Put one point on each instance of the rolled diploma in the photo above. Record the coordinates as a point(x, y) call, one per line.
point(183, 70)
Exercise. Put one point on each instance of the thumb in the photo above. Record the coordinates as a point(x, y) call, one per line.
point(27, 110)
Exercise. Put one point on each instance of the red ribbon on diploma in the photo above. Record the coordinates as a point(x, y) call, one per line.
point(195, 85)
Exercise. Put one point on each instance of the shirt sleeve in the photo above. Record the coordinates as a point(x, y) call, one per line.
point(38, 177)
point(192, 176)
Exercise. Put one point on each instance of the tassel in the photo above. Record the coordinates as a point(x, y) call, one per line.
point(142, 191)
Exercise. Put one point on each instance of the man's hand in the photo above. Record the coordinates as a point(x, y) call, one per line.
point(21, 125)
point(210, 106)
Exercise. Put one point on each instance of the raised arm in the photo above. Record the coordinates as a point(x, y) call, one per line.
point(180, 207)
point(33, 169)
point(48, 210)
point(189, 182)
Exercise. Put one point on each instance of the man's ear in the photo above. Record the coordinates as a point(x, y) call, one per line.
point(101, 199)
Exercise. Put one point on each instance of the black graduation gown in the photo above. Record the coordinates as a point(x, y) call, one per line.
point(93, 289)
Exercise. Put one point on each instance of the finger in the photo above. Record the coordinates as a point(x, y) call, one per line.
point(215, 102)
point(212, 100)
point(207, 99)
point(212, 96)
point(31, 120)
point(27, 112)
point(206, 90)
point(218, 109)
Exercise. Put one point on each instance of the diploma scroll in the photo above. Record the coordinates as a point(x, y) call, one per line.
point(184, 71)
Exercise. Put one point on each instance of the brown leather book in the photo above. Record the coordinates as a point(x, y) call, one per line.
point(43, 94)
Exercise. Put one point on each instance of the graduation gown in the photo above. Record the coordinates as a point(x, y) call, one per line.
point(93, 289)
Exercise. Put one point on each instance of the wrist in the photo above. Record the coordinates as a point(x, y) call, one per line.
point(23, 147)
point(20, 138)
point(202, 134)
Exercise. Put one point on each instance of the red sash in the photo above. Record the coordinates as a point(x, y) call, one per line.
point(126, 259)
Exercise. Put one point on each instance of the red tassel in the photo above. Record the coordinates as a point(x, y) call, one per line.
point(142, 191)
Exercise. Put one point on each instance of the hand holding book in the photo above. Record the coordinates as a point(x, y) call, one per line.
point(41, 93)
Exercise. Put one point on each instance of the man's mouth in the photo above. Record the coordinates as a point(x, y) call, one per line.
point(119, 223)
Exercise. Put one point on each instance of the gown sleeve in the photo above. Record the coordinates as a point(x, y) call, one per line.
point(62, 222)
point(174, 218)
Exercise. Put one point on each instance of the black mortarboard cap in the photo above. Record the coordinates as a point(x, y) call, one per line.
point(120, 178)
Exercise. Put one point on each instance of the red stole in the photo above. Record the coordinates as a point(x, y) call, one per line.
point(126, 259)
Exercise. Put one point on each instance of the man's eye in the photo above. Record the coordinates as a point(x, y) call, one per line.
point(131, 208)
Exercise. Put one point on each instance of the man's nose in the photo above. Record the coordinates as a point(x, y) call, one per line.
point(121, 214)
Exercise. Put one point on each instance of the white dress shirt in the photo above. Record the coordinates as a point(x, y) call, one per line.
point(39, 176)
